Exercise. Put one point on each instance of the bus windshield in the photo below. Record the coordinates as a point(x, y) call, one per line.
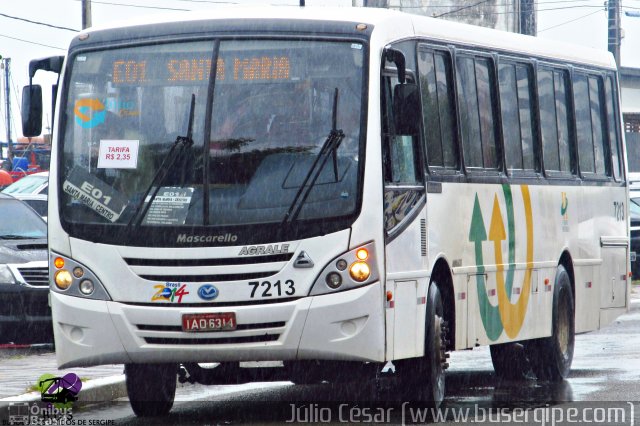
point(255, 133)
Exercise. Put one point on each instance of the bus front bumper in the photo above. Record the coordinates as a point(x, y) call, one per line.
point(348, 325)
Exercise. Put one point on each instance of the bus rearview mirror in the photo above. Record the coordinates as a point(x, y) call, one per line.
point(32, 110)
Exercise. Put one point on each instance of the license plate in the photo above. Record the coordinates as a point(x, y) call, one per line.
point(223, 321)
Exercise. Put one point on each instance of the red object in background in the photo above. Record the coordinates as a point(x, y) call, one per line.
point(5, 178)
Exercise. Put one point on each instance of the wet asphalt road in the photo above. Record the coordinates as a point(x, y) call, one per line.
point(603, 384)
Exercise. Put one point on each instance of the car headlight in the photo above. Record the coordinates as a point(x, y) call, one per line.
point(6, 276)
point(352, 269)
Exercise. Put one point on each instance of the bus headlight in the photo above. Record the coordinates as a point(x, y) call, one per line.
point(74, 279)
point(63, 279)
point(334, 280)
point(352, 269)
point(86, 287)
point(359, 271)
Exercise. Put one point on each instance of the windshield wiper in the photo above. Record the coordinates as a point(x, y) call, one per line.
point(181, 143)
point(329, 148)
point(232, 144)
point(17, 237)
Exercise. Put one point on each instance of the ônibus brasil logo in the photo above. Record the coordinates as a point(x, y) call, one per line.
point(89, 113)
point(505, 316)
point(60, 391)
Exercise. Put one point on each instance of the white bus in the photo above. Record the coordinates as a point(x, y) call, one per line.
point(330, 186)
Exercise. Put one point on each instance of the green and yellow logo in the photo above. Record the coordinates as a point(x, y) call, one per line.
point(505, 316)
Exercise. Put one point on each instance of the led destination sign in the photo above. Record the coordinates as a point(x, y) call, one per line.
point(190, 70)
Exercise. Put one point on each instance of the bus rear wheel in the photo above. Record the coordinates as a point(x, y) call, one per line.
point(151, 388)
point(551, 356)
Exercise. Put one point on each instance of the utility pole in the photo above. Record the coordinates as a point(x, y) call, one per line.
point(527, 24)
point(86, 14)
point(7, 96)
point(615, 32)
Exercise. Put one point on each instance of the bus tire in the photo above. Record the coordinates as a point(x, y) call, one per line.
point(151, 388)
point(510, 361)
point(551, 356)
point(425, 376)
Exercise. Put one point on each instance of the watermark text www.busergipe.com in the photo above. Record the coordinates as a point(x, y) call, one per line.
point(407, 413)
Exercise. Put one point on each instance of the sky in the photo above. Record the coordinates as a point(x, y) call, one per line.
point(577, 21)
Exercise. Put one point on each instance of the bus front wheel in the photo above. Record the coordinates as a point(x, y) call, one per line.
point(426, 374)
point(551, 356)
point(151, 388)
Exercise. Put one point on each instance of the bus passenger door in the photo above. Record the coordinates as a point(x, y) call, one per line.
point(405, 225)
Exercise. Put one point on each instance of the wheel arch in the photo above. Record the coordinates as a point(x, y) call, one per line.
point(567, 262)
point(441, 275)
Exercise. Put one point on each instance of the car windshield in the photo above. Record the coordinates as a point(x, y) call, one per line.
point(255, 136)
point(27, 185)
point(634, 208)
point(19, 221)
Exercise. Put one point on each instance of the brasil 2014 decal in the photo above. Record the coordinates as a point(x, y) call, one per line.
point(505, 316)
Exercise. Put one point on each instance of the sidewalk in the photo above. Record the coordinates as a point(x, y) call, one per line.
point(22, 366)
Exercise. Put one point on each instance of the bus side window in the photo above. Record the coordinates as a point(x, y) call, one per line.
point(612, 126)
point(590, 119)
point(476, 97)
point(583, 123)
point(598, 120)
point(552, 96)
point(438, 108)
point(401, 152)
point(404, 187)
point(515, 81)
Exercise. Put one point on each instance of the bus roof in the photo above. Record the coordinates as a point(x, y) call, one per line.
point(398, 24)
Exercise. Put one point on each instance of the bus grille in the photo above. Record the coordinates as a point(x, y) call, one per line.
point(205, 278)
point(219, 269)
point(211, 341)
point(246, 260)
point(174, 335)
point(238, 327)
point(38, 277)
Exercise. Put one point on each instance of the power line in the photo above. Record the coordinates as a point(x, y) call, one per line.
point(528, 10)
point(496, 5)
point(496, 13)
point(138, 6)
point(38, 22)
point(462, 8)
point(32, 42)
point(568, 22)
point(221, 2)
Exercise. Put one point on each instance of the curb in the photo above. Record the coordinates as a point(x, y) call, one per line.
point(93, 391)
point(103, 390)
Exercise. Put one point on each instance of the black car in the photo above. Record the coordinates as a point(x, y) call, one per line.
point(25, 315)
point(634, 219)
